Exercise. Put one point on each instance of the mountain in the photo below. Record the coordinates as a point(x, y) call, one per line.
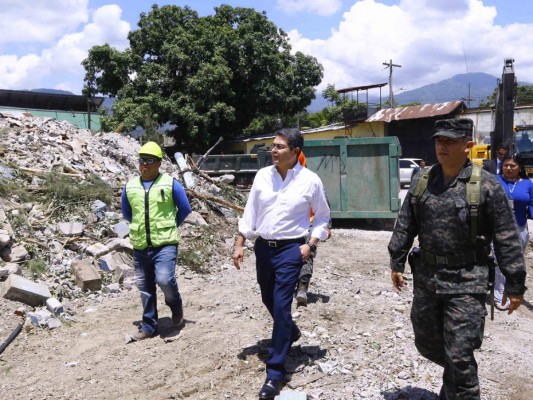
point(51, 91)
point(472, 88)
point(476, 86)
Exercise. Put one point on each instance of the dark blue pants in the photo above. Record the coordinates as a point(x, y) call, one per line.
point(278, 269)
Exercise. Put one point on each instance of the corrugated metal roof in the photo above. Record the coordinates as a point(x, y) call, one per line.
point(414, 112)
point(47, 101)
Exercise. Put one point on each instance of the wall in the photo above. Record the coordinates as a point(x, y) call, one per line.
point(77, 118)
point(483, 120)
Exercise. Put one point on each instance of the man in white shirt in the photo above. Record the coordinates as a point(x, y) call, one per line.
point(277, 214)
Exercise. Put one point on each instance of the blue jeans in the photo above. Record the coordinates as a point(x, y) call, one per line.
point(156, 265)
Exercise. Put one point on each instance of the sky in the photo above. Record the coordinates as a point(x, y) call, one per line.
point(43, 43)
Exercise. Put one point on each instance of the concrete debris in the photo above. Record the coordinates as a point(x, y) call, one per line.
point(8, 269)
point(44, 319)
point(54, 306)
point(70, 228)
point(21, 289)
point(66, 239)
point(87, 277)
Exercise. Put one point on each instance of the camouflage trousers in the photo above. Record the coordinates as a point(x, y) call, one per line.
point(307, 270)
point(448, 328)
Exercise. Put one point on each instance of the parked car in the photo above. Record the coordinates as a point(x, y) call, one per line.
point(406, 169)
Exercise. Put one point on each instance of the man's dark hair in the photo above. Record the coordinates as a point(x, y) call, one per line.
point(504, 146)
point(294, 137)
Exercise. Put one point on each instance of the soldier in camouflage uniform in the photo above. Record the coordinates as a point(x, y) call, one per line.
point(450, 269)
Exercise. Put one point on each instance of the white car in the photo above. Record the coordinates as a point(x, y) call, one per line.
point(406, 169)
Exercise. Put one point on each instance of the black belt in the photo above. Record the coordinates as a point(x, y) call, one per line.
point(282, 242)
point(454, 260)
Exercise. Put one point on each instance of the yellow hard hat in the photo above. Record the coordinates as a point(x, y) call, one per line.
point(152, 149)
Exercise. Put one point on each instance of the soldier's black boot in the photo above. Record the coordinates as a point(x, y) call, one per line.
point(301, 293)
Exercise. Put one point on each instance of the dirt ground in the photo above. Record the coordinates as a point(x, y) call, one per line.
point(357, 340)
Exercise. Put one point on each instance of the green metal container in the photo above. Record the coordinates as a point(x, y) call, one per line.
point(360, 175)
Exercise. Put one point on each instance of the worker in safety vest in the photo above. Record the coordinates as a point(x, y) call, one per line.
point(155, 204)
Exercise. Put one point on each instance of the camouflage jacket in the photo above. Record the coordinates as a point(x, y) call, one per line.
point(442, 223)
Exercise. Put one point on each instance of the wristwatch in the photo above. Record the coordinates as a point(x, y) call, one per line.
point(311, 246)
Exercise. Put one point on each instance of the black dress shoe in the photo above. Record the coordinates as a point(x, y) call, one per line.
point(270, 389)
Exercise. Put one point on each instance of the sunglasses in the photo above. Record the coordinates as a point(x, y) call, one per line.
point(149, 161)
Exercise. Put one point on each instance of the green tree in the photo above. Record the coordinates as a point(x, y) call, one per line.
point(524, 96)
point(339, 108)
point(221, 75)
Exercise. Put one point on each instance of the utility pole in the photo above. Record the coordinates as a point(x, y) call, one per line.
point(390, 65)
point(467, 99)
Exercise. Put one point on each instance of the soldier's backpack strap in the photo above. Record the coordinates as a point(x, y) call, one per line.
point(473, 199)
point(420, 188)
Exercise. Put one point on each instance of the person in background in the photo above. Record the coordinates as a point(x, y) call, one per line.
point(277, 214)
point(451, 267)
point(421, 167)
point(495, 166)
point(519, 191)
point(155, 204)
point(306, 272)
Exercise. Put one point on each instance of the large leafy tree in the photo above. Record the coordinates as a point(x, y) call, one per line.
point(524, 96)
point(339, 109)
point(227, 74)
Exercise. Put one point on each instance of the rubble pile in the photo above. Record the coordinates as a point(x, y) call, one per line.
point(79, 249)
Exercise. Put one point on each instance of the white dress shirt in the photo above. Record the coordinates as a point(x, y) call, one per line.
point(279, 209)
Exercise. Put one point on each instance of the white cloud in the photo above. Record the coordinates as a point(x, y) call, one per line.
point(429, 39)
point(39, 20)
point(319, 7)
point(59, 66)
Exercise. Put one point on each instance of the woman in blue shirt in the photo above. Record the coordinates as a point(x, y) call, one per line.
point(519, 190)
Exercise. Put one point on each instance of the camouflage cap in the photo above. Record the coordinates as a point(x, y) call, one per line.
point(453, 128)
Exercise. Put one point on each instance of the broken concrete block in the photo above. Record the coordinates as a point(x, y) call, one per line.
point(107, 262)
point(99, 208)
point(194, 218)
point(70, 228)
point(292, 395)
point(8, 269)
point(40, 317)
point(112, 215)
point(87, 277)
point(53, 323)
point(5, 239)
point(121, 229)
point(112, 288)
point(97, 250)
point(19, 253)
point(123, 271)
point(18, 288)
point(54, 306)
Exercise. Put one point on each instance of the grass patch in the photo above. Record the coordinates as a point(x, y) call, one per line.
point(37, 267)
point(70, 194)
point(197, 257)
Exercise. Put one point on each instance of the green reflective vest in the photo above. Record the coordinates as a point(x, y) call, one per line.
point(154, 213)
